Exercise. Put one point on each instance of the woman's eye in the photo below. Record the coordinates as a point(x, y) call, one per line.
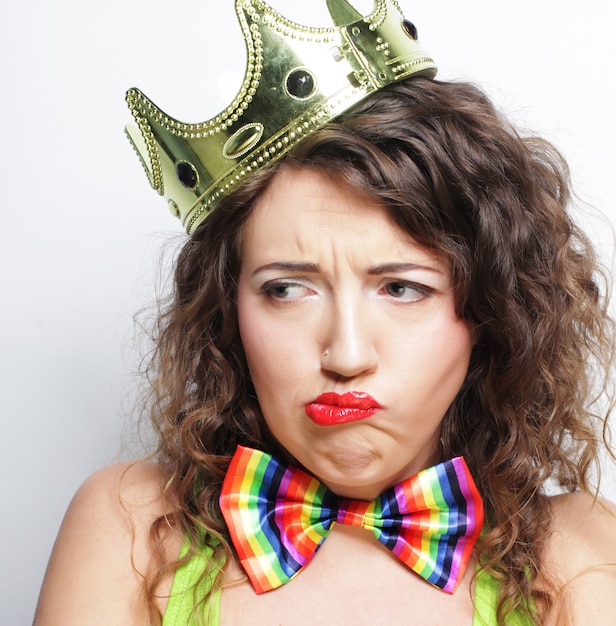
point(284, 291)
point(405, 291)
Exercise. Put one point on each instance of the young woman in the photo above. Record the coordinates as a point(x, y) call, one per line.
point(403, 288)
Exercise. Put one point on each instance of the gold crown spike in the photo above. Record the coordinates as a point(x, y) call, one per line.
point(297, 79)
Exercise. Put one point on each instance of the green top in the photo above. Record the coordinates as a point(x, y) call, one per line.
point(183, 593)
point(486, 598)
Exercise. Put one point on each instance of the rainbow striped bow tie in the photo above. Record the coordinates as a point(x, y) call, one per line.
point(278, 516)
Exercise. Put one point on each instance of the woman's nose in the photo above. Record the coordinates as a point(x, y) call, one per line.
point(349, 349)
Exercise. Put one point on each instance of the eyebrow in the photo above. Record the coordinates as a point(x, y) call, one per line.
point(398, 268)
point(374, 270)
point(289, 266)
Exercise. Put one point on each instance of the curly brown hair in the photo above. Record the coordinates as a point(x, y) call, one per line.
point(458, 177)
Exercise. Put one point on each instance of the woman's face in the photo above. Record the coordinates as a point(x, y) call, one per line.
point(350, 334)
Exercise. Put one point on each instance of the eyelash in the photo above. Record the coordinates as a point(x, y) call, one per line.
point(271, 288)
point(423, 290)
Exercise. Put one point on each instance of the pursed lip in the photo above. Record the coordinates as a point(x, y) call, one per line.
point(331, 408)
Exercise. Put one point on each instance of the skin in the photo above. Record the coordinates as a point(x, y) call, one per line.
point(332, 296)
point(402, 344)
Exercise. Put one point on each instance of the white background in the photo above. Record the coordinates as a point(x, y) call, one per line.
point(80, 229)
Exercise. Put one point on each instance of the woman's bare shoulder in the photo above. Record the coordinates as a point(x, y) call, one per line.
point(581, 555)
point(102, 548)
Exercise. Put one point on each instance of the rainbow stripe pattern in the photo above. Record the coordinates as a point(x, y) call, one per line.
point(278, 516)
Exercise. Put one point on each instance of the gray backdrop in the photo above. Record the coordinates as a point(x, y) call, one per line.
point(80, 229)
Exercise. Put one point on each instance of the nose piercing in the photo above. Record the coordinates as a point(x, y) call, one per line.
point(326, 352)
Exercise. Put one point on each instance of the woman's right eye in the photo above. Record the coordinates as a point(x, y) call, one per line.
point(285, 290)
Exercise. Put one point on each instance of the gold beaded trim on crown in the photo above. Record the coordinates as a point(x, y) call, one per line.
point(297, 79)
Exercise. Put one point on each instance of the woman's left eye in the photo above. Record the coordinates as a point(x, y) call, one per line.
point(405, 291)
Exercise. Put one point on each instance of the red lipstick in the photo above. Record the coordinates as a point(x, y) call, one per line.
point(331, 408)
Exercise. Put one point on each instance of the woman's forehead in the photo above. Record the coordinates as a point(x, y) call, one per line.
point(304, 214)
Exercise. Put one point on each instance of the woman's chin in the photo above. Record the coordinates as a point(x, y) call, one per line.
point(363, 473)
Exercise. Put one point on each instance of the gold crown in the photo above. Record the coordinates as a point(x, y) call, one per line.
point(297, 79)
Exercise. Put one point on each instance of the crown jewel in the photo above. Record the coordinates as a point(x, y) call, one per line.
point(297, 79)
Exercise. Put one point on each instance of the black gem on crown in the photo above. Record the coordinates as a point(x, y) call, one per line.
point(187, 174)
point(300, 83)
point(410, 28)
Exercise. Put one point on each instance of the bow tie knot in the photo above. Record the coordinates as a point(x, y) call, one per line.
point(356, 514)
point(278, 517)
